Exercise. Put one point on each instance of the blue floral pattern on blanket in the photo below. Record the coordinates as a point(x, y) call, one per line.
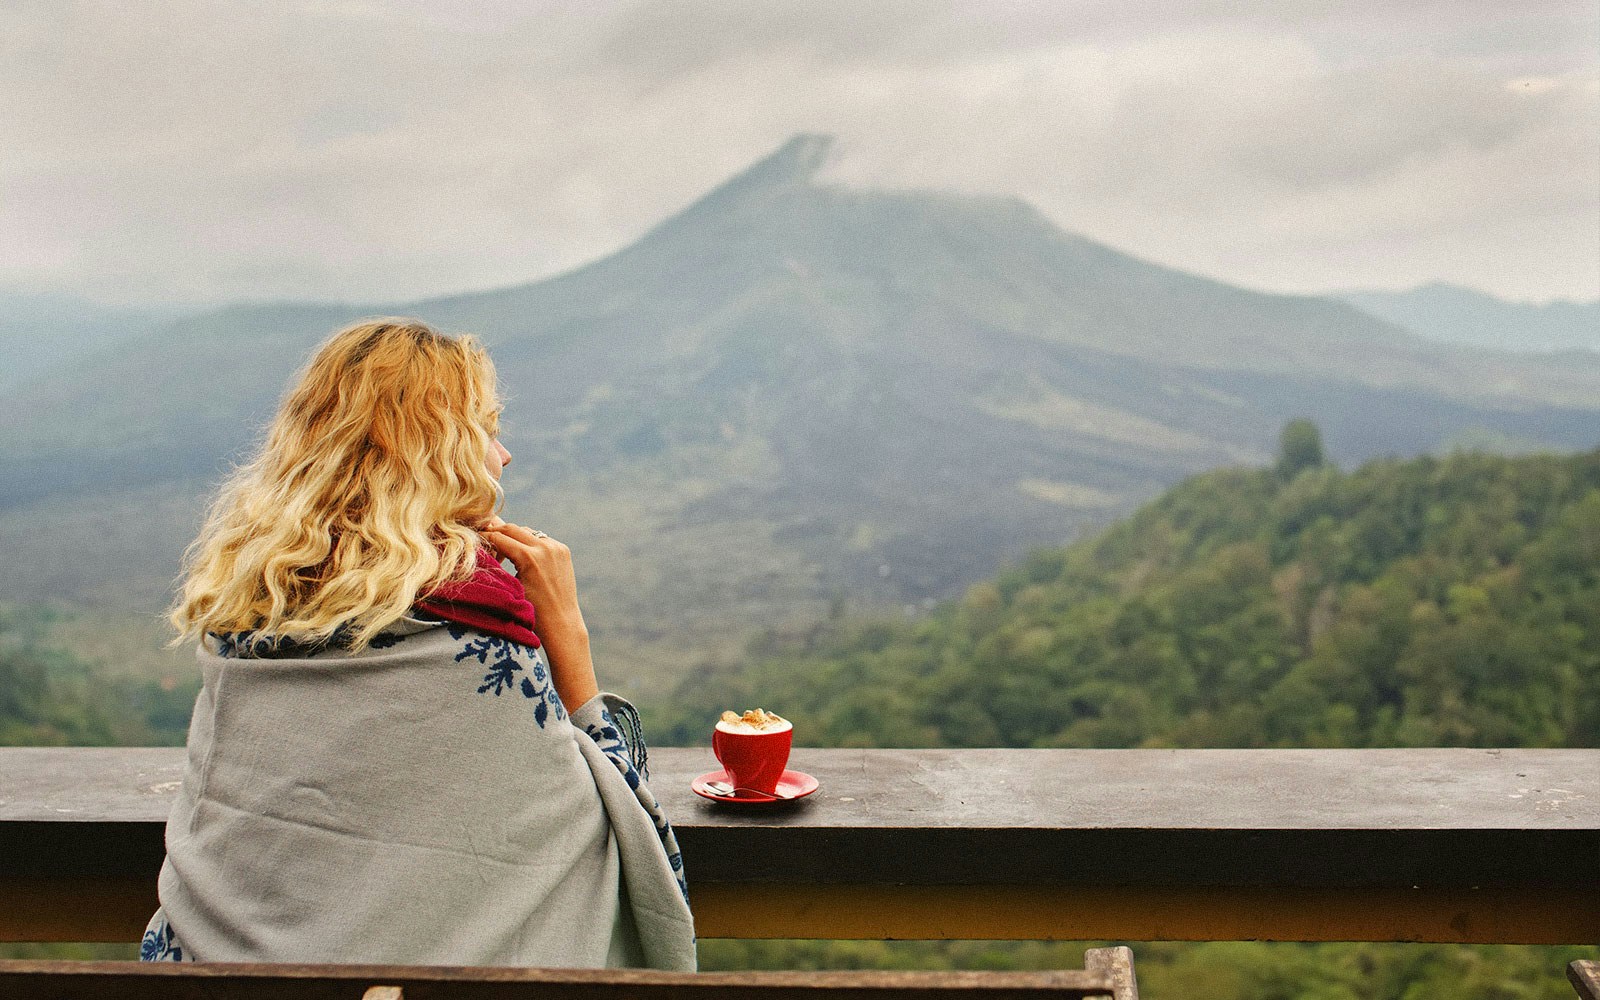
point(159, 943)
point(630, 758)
point(512, 666)
point(249, 643)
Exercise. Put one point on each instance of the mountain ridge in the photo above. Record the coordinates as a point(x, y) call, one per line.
point(1453, 314)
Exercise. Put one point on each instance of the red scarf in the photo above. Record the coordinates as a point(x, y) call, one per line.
point(491, 601)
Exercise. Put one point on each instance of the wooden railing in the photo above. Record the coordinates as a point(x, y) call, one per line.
point(1497, 846)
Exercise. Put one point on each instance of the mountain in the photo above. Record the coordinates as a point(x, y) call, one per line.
point(788, 392)
point(39, 332)
point(1455, 315)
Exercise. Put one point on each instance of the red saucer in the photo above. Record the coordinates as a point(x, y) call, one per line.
point(792, 785)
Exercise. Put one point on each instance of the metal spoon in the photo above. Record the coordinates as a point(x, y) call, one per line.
point(723, 788)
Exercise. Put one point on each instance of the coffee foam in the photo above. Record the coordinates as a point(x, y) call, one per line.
point(753, 723)
point(744, 728)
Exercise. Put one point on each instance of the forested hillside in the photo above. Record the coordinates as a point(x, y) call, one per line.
point(1431, 602)
point(50, 697)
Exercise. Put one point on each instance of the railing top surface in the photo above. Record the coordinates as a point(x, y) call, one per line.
point(1315, 790)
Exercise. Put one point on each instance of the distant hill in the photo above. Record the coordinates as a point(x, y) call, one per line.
point(1429, 602)
point(787, 392)
point(1454, 315)
point(39, 332)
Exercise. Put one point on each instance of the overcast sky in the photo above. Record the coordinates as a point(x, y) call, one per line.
point(184, 151)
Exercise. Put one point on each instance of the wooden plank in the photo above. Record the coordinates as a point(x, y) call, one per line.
point(1385, 789)
point(1172, 913)
point(78, 909)
point(1584, 976)
point(52, 980)
point(84, 910)
point(89, 784)
point(1116, 963)
point(1133, 857)
point(774, 853)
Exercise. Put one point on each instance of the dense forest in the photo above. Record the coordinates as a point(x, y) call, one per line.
point(49, 696)
point(1449, 601)
point(1438, 601)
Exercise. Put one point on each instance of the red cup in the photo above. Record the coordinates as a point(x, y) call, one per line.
point(753, 760)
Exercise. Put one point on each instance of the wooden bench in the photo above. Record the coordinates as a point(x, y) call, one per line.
point(1108, 972)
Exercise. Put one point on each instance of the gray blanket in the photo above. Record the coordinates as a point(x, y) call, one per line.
point(427, 801)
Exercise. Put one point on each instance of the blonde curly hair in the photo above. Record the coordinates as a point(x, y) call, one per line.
point(365, 493)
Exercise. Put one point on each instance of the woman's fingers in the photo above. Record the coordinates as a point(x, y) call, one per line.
point(530, 552)
point(508, 547)
point(518, 532)
point(544, 567)
point(495, 537)
point(527, 537)
point(547, 548)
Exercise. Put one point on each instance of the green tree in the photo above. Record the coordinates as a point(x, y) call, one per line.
point(1299, 448)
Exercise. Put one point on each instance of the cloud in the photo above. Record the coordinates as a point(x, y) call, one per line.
point(386, 151)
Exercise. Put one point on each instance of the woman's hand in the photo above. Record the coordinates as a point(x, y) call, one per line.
point(544, 568)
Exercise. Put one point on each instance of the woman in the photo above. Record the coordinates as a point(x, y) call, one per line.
point(386, 763)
